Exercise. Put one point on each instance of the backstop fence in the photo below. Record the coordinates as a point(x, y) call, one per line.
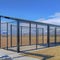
point(23, 35)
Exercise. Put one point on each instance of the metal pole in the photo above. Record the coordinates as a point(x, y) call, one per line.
point(42, 35)
point(18, 37)
point(29, 33)
point(36, 36)
point(48, 35)
point(11, 34)
point(55, 35)
point(0, 31)
point(7, 36)
point(21, 35)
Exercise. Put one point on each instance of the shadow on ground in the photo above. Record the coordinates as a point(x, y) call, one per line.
point(45, 57)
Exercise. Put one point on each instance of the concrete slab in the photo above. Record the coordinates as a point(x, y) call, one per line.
point(26, 58)
point(23, 48)
point(16, 56)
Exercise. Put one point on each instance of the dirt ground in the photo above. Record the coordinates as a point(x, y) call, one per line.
point(52, 53)
point(25, 40)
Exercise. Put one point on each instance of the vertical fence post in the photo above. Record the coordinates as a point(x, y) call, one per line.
point(18, 46)
point(11, 34)
point(42, 35)
point(29, 33)
point(0, 31)
point(48, 35)
point(7, 36)
point(55, 35)
point(21, 35)
point(36, 36)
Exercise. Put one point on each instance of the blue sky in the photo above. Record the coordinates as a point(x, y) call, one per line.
point(47, 11)
point(29, 9)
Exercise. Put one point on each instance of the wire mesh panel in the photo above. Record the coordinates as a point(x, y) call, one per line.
point(33, 36)
point(52, 36)
point(12, 41)
point(3, 35)
point(45, 36)
point(14, 35)
point(27, 38)
point(57, 35)
point(40, 37)
point(8, 36)
point(25, 35)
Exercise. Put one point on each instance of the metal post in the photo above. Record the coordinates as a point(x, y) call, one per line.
point(42, 35)
point(55, 35)
point(21, 35)
point(0, 31)
point(11, 34)
point(18, 37)
point(48, 35)
point(36, 36)
point(7, 36)
point(29, 33)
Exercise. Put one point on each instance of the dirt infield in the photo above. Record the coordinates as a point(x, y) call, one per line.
point(25, 40)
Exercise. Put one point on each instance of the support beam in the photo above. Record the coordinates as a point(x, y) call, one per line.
point(42, 35)
point(21, 35)
point(18, 38)
point(7, 36)
point(29, 33)
point(36, 37)
point(48, 35)
point(11, 35)
point(55, 35)
point(27, 21)
point(0, 31)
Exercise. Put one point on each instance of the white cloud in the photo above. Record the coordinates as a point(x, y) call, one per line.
point(53, 19)
point(55, 15)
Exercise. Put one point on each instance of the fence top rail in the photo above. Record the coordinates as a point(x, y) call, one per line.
point(28, 21)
